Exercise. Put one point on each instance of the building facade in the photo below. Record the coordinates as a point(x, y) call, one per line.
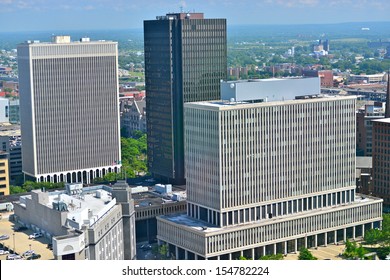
point(69, 109)
point(269, 177)
point(185, 59)
point(4, 177)
point(95, 223)
point(364, 118)
point(134, 117)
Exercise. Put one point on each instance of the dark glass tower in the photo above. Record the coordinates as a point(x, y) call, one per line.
point(185, 60)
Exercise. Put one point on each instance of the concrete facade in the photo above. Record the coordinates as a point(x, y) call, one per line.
point(96, 223)
point(69, 109)
point(4, 177)
point(269, 177)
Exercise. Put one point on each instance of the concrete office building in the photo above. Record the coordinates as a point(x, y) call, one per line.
point(268, 177)
point(364, 118)
point(4, 178)
point(4, 110)
point(95, 223)
point(185, 59)
point(69, 109)
point(381, 154)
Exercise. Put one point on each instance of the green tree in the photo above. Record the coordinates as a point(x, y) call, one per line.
point(272, 257)
point(373, 236)
point(353, 251)
point(305, 254)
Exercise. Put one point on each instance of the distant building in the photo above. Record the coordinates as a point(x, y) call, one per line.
point(185, 59)
point(134, 117)
point(368, 79)
point(364, 175)
point(14, 111)
point(4, 178)
point(326, 76)
point(364, 118)
point(263, 178)
point(11, 143)
point(95, 223)
point(381, 154)
point(4, 110)
point(69, 109)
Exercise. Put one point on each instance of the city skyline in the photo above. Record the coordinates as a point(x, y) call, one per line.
point(33, 15)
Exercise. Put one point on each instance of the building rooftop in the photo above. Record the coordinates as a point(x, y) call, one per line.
point(84, 206)
point(227, 105)
point(385, 120)
point(363, 162)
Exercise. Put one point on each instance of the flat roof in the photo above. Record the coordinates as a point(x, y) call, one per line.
point(384, 120)
point(227, 105)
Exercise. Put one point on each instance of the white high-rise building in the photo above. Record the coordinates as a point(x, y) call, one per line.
point(69, 109)
point(268, 177)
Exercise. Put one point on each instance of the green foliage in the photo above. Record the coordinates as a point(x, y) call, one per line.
point(30, 185)
point(134, 154)
point(305, 254)
point(162, 252)
point(353, 251)
point(272, 257)
point(373, 236)
point(242, 258)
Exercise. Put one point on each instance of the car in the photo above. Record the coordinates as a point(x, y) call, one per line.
point(21, 228)
point(4, 237)
point(146, 247)
point(35, 235)
point(14, 257)
point(34, 257)
point(3, 252)
point(28, 253)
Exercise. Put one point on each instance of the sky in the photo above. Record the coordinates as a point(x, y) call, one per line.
point(41, 15)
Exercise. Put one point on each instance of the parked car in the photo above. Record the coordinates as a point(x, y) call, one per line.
point(34, 257)
point(14, 257)
point(3, 252)
point(28, 253)
point(21, 228)
point(146, 247)
point(35, 235)
point(4, 237)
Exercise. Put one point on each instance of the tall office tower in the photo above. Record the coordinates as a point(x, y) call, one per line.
point(381, 154)
point(268, 177)
point(185, 59)
point(69, 109)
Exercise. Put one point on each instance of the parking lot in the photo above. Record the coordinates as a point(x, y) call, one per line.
point(19, 241)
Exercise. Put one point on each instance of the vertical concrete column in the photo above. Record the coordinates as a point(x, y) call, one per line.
point(316, 240)
point(275, 249)
point(335, 237)
point(305, 241)
point(241, 253)
point(345, 234)
point(176, 252)
point(230, 256)
point(185, 254)
point(326, 239)
point(253, 253)
point(218, 258)
point(353, 232)
point(363, 230)
point(196, 257)
point(264, 251)
point(296, 245)
point(285, 247)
